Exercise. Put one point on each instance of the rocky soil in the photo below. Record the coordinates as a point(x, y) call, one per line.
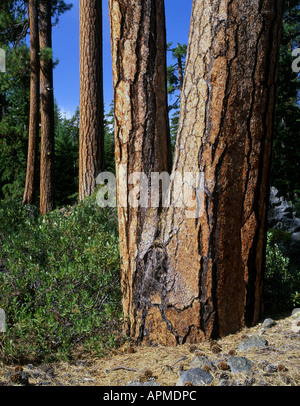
point(265, 355)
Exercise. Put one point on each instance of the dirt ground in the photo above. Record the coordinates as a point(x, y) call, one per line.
point(163, 364)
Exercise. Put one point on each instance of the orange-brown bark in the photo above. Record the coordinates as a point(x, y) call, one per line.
point(47, 202)
point(34, 117)
point(187, 279)
point(91, 133)
point(141, 121)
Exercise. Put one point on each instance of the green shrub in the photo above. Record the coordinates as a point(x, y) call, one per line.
point(60, 286)
point(281, 282)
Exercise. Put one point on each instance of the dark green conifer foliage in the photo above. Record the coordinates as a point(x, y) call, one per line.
point(14, 93)
point(66, 157)
point(286, 156)
point(109, 142)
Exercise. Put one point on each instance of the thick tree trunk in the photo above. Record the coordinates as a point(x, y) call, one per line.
point(215, 263)
point(91, 134)
point(34, 118)
point(47, 202)
point(142, 136)
point(197, 278)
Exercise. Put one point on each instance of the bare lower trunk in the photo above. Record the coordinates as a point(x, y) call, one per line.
point(34, 118)
point(141, 121)
point(47, 202)
point(91, 135)
point(196, 278)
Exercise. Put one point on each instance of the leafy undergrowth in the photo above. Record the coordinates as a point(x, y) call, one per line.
point(60, 282)
point(59, 278)
point(281, 281)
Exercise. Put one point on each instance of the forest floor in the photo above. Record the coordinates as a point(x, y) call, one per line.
point(277, 364)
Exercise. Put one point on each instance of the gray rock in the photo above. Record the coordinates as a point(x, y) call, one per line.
point(296, 313)
point(282, 217)
point(200, 360)
point(296, 238)
point(271, 368)
point(253, 342)
point(268, 323)
point(280, 214)
point(239, 364)
point(196, 376)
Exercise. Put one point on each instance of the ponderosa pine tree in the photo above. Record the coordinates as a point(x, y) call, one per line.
point(179, 54)
point(34, 117)
point(91, 133)
point(142, 140)
point(15, 93)
point(14, 99)
point(175, 75)
point(47, 201)
point(185, 279)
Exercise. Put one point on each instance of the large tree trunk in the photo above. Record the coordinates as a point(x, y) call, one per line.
point(142, 136)
point(34, 118)
point(91, 133)
point(47, 202)
point(213, 277)
point(196, 278)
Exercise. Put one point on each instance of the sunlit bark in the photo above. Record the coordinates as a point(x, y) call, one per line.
point(186, 279)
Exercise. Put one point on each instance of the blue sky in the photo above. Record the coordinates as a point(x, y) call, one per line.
point(66, 50)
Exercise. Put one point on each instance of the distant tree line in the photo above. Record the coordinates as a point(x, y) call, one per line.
point(15, 99)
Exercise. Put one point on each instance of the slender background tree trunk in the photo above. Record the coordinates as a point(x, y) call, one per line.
point(191, 279)
point(47, 202)
point(141, 123)
point(91, 135)
point(34, 118)
point(180, 73)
